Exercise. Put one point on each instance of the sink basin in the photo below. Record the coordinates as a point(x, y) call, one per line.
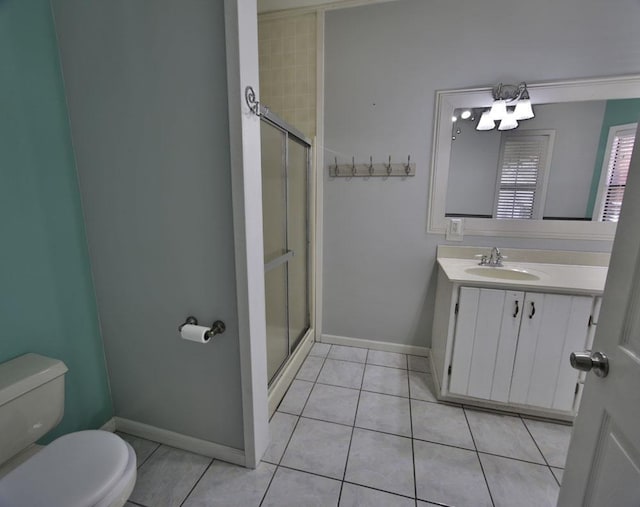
point(504, 273)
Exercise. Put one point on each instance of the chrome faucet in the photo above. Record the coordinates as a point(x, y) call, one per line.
point(494, 259)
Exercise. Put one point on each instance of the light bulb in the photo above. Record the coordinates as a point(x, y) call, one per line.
point(498, 110)
point(465, 114)
point(486, 122)
point(523, 110)
point(454, 118)
point(508, 122)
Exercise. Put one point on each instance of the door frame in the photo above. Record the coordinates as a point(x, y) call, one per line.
point(241, 33)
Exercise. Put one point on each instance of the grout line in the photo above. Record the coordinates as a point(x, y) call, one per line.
point(353, 429)
point(150, 454)
point(413, 439)
point(378, 489)
point(387, 366)
point(196, 483)
point(266, 490)
point(513, 459)
point(286, 467)
point(299, 416)
point(336, 385)
point(413, 449)
point(540, 451)
point(478, 456)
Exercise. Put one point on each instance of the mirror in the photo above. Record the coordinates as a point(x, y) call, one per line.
point(570, 132)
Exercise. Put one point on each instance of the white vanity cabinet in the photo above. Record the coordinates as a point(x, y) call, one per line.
point(513, 346)
point(502, 335)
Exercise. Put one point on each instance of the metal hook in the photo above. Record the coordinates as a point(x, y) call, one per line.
point(370, 165)
point(353, 166)
point(407, 168)
point(389, 166)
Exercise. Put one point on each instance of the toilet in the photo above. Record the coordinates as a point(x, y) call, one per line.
point(83, 469)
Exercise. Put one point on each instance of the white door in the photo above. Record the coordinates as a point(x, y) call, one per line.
point(603, 465)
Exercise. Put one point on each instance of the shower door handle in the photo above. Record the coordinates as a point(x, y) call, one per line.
point(268, 266)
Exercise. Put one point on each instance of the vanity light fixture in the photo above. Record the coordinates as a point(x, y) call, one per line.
point(506, 96)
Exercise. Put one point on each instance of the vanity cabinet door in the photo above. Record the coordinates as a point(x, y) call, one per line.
point(552, 326)
point(485, 342)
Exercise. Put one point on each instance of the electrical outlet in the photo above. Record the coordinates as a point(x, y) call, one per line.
point(455, 229)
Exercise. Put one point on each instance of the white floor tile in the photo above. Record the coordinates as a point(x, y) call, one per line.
point(143, 448)
point(341, 373)
point(296, 397)
point(381, 461)
point(391, 359)
point(332, 403)
point(355, 354)
point(440, 423)
point(226, 485)
point(168, 476)
point(291, 488)
point(318, 447)
point(280, 430)
point(320, 349)
point(450, 475)
point(558, 472)
point(421, 386)
point(381, 379)
point(552, 439)
point(517, 483)
point(504, 435)
point(310, 368)
point(359, 496)
point(384, 413)
point(419, 363)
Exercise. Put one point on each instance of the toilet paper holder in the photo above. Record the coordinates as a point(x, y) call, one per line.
point(218, 326)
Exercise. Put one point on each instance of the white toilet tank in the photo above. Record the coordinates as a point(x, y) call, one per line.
point(31, 401)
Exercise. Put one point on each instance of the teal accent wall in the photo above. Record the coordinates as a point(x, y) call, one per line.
point(47, 301)
point(617, 112)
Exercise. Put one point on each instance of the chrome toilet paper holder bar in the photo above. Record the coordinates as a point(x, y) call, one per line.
point(218, 326)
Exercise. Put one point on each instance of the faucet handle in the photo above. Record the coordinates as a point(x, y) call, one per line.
point(484, 259)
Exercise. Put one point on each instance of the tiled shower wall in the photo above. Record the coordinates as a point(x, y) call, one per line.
point(287, 48)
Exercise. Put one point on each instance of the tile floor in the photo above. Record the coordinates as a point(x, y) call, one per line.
point(361, 427)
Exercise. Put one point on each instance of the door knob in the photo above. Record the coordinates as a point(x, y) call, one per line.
point(587, 361)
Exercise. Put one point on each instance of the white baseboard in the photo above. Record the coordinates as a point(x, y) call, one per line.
point(401, 348)
point(204, 447)
point(109, 426)
point(280, 385)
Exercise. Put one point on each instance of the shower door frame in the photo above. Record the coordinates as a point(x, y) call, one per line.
point(290, 131)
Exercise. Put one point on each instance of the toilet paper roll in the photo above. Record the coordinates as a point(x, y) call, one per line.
point(195, 333)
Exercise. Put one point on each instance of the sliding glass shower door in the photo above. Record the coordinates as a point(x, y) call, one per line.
point(285, 211)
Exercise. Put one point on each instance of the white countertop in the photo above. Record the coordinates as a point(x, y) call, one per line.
point(565, 278)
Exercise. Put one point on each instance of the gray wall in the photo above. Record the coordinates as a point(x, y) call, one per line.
point(475, 156)
point(383, 65)
point(146, 86)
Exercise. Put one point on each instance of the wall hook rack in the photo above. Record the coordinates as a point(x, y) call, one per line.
point(218, 326)
point(366, 170)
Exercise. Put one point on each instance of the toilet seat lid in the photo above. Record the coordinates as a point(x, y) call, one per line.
point(76, 470)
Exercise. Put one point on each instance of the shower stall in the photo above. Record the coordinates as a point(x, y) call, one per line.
point(286, 163)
